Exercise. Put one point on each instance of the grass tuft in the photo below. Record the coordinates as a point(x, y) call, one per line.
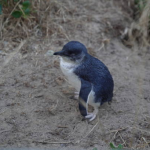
point(139, 31)
point(21, 19)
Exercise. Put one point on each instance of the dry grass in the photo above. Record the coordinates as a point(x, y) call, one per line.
point(139, 30)
point(41, 21)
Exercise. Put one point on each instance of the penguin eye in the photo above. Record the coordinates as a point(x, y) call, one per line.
point(71, 53)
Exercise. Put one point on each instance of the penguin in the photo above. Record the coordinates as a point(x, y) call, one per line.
point(88, 75)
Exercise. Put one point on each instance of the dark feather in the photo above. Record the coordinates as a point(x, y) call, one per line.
point(83, 96)
point(95, 72)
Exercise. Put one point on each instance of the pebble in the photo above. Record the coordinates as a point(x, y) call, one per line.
point(59, 80)
point(49, 53)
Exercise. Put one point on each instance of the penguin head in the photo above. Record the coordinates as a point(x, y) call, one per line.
point(73, 51)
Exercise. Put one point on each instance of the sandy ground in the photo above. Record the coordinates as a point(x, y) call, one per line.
point(36, 105)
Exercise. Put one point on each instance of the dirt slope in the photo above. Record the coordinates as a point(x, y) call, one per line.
point(36, 104)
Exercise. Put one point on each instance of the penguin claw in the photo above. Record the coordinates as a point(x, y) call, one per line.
point(91, 116)
point(94, 116)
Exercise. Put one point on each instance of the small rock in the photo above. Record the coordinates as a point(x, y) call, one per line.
point(59, 80)
point(49, 53)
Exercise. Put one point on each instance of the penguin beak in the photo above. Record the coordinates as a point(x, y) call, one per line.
point(60, 53)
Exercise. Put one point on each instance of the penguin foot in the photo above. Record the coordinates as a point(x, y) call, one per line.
point(89, 115)
point(92, 116)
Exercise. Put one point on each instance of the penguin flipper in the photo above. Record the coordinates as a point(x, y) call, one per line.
point(82, 108)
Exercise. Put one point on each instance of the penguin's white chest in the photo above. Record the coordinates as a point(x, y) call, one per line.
point(67, 68)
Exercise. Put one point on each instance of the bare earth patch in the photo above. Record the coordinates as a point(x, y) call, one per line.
point(36, 104)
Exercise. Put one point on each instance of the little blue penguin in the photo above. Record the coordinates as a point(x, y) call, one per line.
point(88, 75)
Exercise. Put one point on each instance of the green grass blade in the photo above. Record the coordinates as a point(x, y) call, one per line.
point(0, 9)
point(17, 14)
point(112, 145)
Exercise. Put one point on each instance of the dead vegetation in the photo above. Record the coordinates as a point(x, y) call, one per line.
point(46, 17)
point(139, 30)
point(42, 21)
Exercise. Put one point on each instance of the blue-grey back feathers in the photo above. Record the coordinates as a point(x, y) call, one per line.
point(96, 73)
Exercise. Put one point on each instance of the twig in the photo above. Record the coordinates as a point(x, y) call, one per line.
point(22, 10)
point(44, 142)
point(124, 143)
point(88, 133)
point(143, 145)
point(54, 107)
point(140, 129)
point(5, 131)
point(92, 129)
point(62, 127)
point(114, 136)
point(121, 129)
point(101, 46)
point(61, 30)
point(147, 143)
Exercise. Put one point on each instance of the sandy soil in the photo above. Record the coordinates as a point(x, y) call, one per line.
point(36, 104)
